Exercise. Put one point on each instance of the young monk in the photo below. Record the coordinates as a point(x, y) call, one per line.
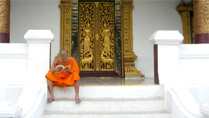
point(64, 72)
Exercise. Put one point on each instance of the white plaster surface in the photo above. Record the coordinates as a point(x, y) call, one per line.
point(157, 115)
point(113, 106)
point(113, 92)
point(200, 93)
point(9, 110)
point(193, 64)
point(204, 108)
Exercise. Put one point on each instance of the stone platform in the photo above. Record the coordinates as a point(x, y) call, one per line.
point(116, 81)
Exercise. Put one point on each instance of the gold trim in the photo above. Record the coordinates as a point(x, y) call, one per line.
point(127, 37)
point(122, 43)
point(185, 11)
point(201, 13)
point(65, 25)
point(4, 16)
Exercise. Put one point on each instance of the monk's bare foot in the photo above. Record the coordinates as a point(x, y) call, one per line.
point(77, 99)
point(51, 99)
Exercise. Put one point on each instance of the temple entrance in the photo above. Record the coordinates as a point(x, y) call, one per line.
point(98, 34)
point(96, 38)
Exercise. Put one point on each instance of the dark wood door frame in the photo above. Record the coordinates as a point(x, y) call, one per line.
point(156, 78)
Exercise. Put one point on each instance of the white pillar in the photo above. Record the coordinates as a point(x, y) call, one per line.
point(168, 54)
point(39, 52)
point(34, 95)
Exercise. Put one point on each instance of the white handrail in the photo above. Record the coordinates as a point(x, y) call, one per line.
point(32, 100)
point(182, 103)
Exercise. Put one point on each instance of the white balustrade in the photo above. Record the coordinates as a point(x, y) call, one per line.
point(180, 68)
point(23, 68)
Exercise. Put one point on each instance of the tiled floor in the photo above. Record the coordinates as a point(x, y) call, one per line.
point(115, 81)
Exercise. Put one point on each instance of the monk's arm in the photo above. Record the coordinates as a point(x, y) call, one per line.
point(69, 71)
point(74, 67)
point(52, 69)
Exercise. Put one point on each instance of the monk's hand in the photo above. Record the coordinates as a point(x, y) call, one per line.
point(57, 69)
point(64, 70)
point(53, 70)
point(70, 71)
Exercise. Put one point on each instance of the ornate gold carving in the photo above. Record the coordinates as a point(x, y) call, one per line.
point(107, 62)
point(201, 13)
point(65, 34)
point(4, 16)
point(97, 4)
point(106, 34)
point(107, 43)
point(96, 36)
point(86, 36)
point(97, 42)
point(129, 56)
point(86, 62)
point(186, 11)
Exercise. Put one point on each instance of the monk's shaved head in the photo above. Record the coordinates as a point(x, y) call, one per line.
point(63, 53)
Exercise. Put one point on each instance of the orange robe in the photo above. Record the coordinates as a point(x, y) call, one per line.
point(65, 79)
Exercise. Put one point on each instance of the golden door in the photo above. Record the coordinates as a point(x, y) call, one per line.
point(96, 36)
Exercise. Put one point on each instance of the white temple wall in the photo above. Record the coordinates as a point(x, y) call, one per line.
point(35, 14)
point(148, 16)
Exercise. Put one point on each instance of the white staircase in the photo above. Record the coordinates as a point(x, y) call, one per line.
point(109, 102)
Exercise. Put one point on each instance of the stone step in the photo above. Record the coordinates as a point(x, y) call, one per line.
point(108, 102)
point(152, 115)
point(116, 92)
point(107, 106)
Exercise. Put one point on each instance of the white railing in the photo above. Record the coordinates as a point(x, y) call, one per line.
point(204, 109)
point(181, 66)
point(13, 63)
point(25, 66)
point(194, 64)
point(181, 103)
point(13, 66)
point(201, 95)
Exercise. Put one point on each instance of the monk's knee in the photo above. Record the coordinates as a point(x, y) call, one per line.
point(76, 82)
point(49, 82)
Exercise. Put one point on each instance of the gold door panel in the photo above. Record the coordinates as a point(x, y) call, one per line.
point(96, 36)
point(86, 36)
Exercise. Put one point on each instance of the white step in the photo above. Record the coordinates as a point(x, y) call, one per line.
point(162, 115)
point(108, 102)
point(105, 106)
point(129, 92)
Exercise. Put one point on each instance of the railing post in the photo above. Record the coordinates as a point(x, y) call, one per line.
point(35, 88)
point(167, 56)
point(39, 44)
